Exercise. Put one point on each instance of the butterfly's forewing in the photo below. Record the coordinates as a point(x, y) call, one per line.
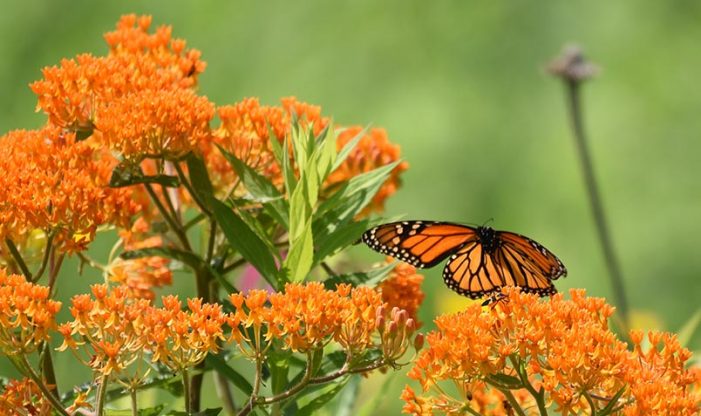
point(541, 259)
point(419, 243)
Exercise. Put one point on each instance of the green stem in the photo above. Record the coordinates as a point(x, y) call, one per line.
point(18, 259)
point(594, 197)
point(195, 197)
point(167, 217)
point(47, 368)
point(523, 376)
point(134, 406)
point(100, 397)
point(45, 260)
point(592, 405)
point(186, 391)
point(513, 402)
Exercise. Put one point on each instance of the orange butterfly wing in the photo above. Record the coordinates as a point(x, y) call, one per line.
point(419, 243)
point(481, 261)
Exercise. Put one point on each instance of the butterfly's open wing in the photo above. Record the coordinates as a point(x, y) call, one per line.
point(525, 250)
point(420, 243)
point(472, 272)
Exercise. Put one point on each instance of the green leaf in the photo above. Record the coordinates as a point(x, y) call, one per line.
point(191, 259)
point(301, 256)
point(366, 185)
point(219, 364)
point(612, 403)
point(128, 173)
point(689, 328)
point(349, 397)
point(336, 237)
point(199, 177)
point(331, 391)
point(370, 278)
point(260, 188)
point(278, 360)
point(325, 153)
point(348, 148)
point(506, 380)
point(151, 411)
point(288, 170)
point(245, 241)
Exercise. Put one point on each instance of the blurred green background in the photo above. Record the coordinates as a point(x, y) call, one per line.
point(461, 87)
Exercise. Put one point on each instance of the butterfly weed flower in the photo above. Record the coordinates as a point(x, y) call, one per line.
point(561, 352)
point(106, 333)
point(58, 185)
point(23, 397)
point(27, 315)
point(402, 289)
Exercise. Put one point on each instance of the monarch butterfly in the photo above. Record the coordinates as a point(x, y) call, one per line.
point(481, 260)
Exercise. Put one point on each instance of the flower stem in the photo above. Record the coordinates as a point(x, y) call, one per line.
point(513, 402)
point(186, 391)
point(574, 101)
point(101, 396)
point(177, 229)
point(134, 406)
point(18, 259)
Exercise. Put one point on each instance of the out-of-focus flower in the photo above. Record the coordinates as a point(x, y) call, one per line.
point(141, 275)
point(27, 315)
point(403, 289)
point(523, 342)
point(23, 397)
point(55, 184)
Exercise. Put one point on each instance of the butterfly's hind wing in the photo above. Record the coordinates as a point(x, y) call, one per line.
point(542, 260)
point(472, 272)
point(420, 243)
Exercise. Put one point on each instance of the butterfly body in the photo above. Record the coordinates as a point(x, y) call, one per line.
point(481, 260)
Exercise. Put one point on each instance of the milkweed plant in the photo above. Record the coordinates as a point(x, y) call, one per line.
point(250, 202)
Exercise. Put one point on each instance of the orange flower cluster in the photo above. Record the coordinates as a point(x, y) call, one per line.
point(108, 328)
point(23, 397)
point(181, 339)
point(245, 132)
point(114, 330)
point(138, 98)
point(402, 289)
point(53, 183)
point(26, 315)
point(563, 347)
point(141, 275)
point(308, 317)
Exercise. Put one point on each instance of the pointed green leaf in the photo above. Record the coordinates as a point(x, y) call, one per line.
point(318, 402)
point(301, 255)
point(348, 148)
point(245, 241)
point(370, 278)
point(349, 397)
point(128, 173)
point(613, 403)
point(201, 184)
point(258, 186)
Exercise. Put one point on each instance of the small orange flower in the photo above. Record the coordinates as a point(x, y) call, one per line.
point(109, 328)
point(163, 123)
point(538, 344)
point(58, 185)
point(23, 397)
point(27, 315)
point(180, 339)
point(403, 289)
